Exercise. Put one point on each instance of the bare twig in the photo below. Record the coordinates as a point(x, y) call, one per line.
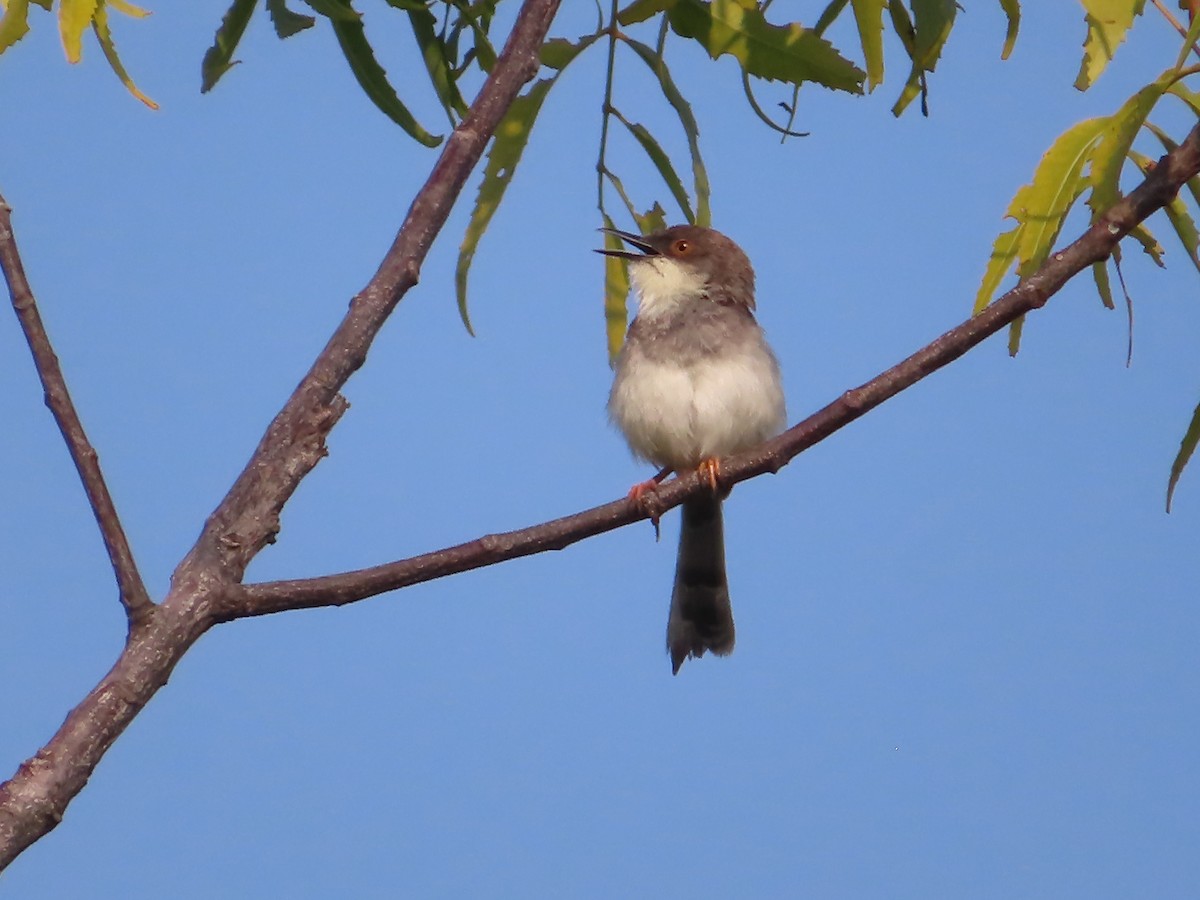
point(1175, 23)
point(129, 582)
point(1097, 243)
point(33, 801)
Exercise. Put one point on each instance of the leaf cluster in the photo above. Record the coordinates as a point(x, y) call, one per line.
point(75, 17)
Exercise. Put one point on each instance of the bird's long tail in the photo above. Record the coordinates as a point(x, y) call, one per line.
point(701, 617)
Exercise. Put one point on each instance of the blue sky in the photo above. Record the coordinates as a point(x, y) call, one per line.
point(966, 657)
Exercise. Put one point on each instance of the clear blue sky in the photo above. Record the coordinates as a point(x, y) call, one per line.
point(967, 630)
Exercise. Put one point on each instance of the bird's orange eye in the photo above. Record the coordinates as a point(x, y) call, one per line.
point(682, 247)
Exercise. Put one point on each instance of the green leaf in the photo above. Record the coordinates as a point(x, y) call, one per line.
point(1107, 23)
point(687, 120)
point(1187, 447)
point(616, 290)
point(829, 15)
point(787, 53)
point(505, 152)
point(641, 10)
point(1123, 126)
point(104, 36)
point(437, 64)
point(73, 17)
point(219, 58)
point(1043, 204)
point(336, 10)
point(652, 220)
point(1012, 9)
point(508, 145)
point(1004, 253)
point(1103, 285)
point(868, 15)
point(662, 162)
point(372, 78)
point(14, 24)
point(287, 22)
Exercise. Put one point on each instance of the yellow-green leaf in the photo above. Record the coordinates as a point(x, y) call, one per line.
point(1014, 334)
point(219, 58)
point(1187, 446)
point(1012, 9)
point(687, 120)
point(1103, 285)
point(1149, 242)
point(1004, 254)
point(437, 64)
point(1043, 204)
point(1107, 23)
point(868, 16)
point(122, 6)
point(1123, 125)
point(787, 53)
point(104, 36)
point(616, 290)
point(14, 23)
point(641, 10)
point(1177, 214)
point(73, 17)
point(652, 220)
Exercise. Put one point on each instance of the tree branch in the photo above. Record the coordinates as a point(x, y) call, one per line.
point(1097, 243)
point(129, 582)
point(33, 801)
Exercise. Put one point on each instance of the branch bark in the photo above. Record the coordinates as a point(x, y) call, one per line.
point(132, 590)
point(1097, 243)
point(33, 801)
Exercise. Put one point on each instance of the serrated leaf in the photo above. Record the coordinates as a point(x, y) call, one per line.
point(1058, 181)
point(1149, 242)
point(1103, 285)
point(512, 136)
point(1004, 254)
point(641, 10)
point(1012, 10)
point(868, 16)
point(1108, 21)
point(286, 21)
point(437, 64)
point(687, 120)
point(933, 21)
point(1177, 214)
point(652, 220)
point(47, 5)
point(336, 10)
point(616, 290)
point(73, 17)
point(1187, 446)
point(104, 36)
point(1014, 334)
point(662, 162)
point(14, 24)
point(219, 58)
point(373, 79)
point(125, 8)
point(788, 53)
point(1123, 126)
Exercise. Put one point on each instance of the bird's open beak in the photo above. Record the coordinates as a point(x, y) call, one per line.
point(635, 239)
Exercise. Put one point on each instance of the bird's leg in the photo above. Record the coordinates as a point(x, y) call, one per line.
point(709, 470)
point(640, 495)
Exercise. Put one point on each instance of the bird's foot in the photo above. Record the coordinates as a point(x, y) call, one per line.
point(710, 470)
point(643, 496)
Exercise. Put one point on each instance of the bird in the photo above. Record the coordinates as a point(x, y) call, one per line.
point(695, 380)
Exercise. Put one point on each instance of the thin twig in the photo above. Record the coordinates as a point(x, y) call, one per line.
point(1097, 243)
point(132, 590)
point(1183, 32)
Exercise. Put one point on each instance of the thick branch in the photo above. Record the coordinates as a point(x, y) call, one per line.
point(129, 582)
point(1097, 243)
point(32, 802)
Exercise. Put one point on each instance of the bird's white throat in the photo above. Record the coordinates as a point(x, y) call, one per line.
point(663, 283)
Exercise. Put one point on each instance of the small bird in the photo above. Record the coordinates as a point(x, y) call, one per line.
point(695, 381)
